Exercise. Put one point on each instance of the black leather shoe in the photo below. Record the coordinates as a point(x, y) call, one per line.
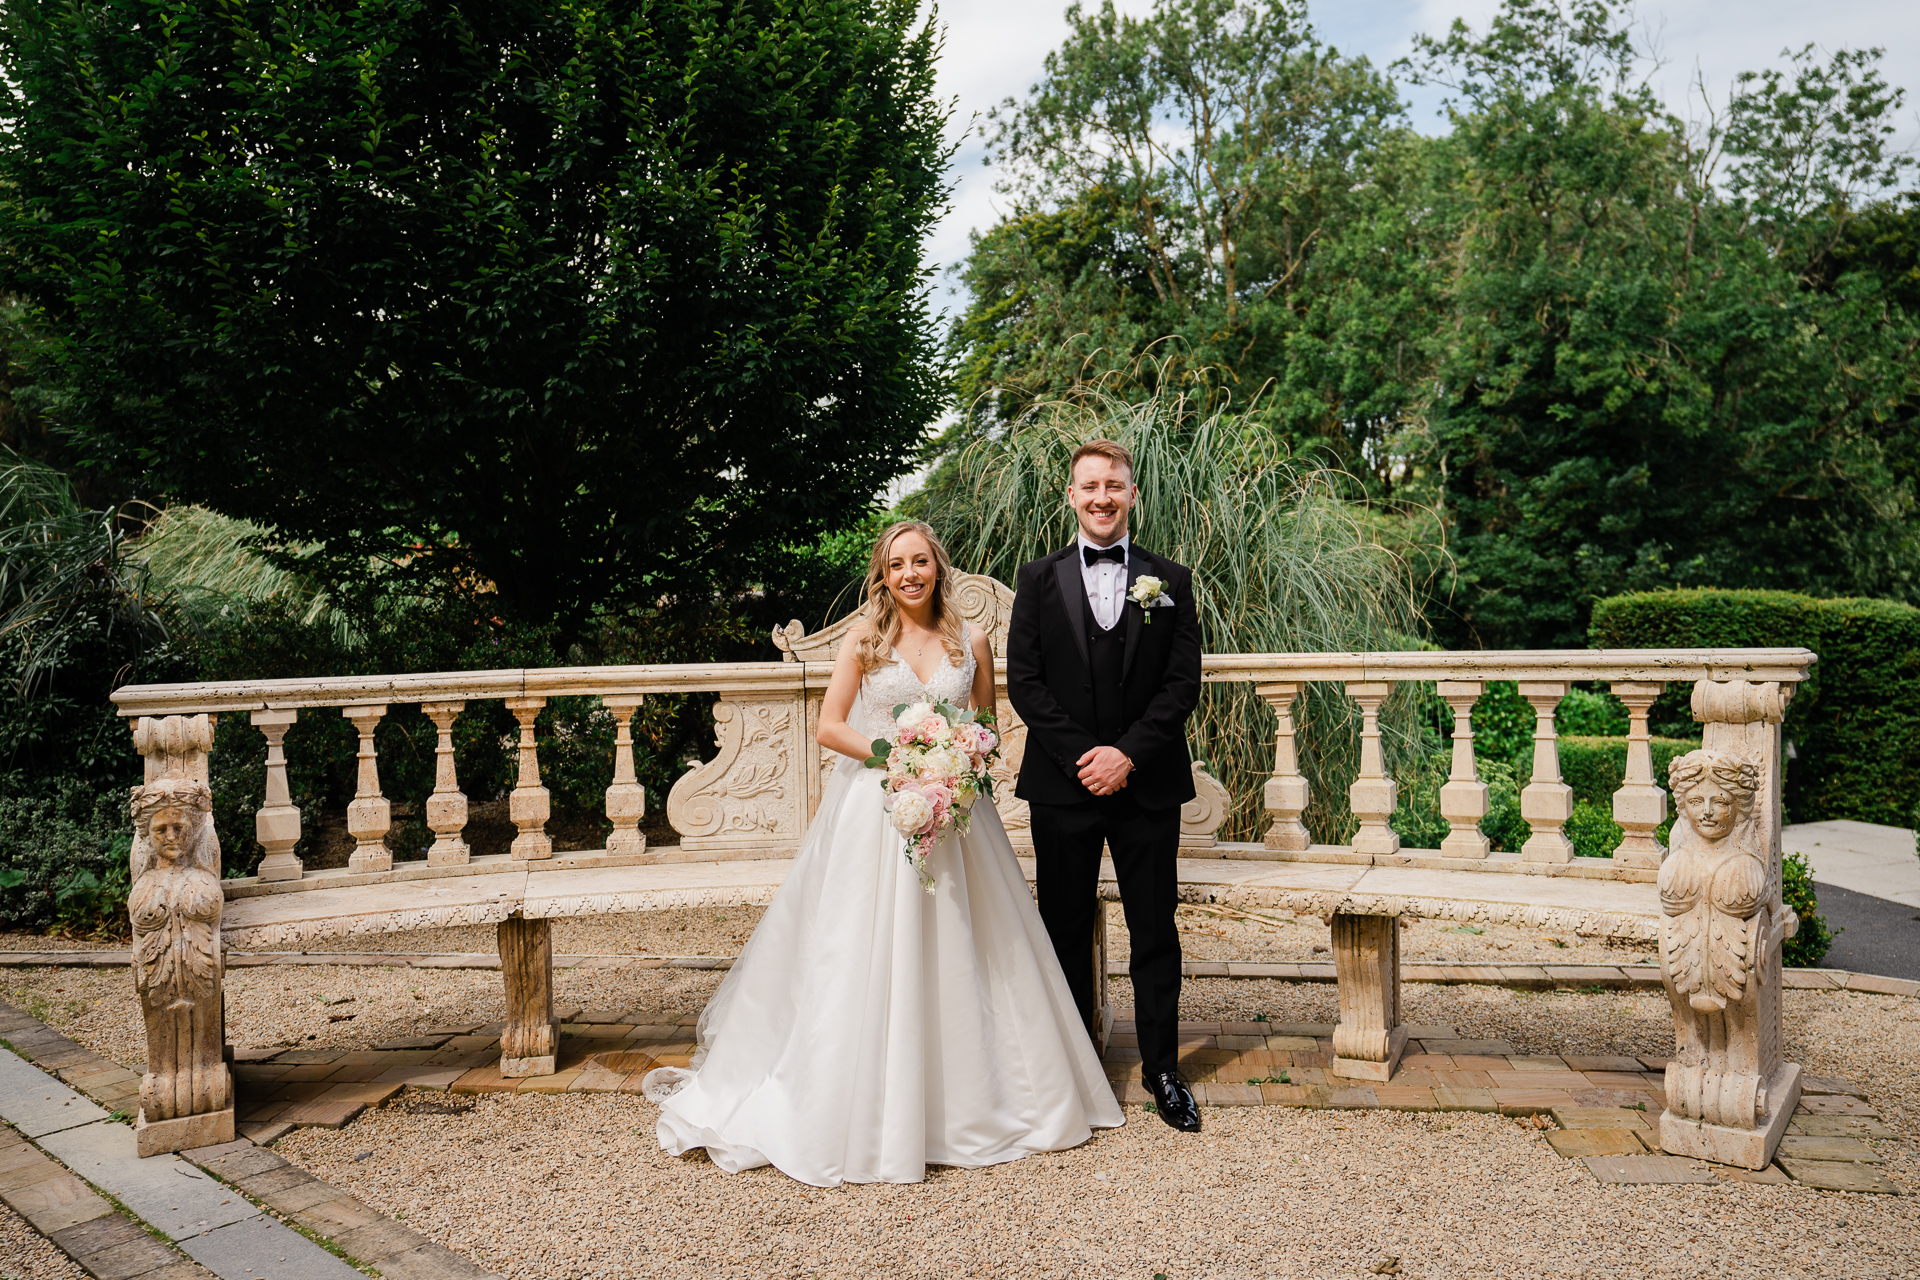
point(1173, 1100)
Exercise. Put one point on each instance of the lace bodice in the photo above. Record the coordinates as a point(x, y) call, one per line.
point(895, 683)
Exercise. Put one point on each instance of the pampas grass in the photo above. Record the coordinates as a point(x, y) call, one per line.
point(1281, 565)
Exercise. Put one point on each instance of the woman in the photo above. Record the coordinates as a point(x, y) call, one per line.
point(870, 1029)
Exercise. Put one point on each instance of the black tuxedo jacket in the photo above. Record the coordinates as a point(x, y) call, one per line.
point(1049, 683)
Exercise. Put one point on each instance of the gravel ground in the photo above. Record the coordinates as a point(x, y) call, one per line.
point(574, 1186)
point(25, 1254)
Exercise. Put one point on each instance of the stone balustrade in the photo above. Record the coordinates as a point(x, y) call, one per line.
point(753, 799)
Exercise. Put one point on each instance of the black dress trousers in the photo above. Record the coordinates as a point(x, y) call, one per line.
point(1144, 844)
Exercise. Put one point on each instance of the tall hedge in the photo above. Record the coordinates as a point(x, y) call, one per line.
point(1855, 726)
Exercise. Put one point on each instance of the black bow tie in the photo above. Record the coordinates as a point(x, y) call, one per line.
point(1094, 555)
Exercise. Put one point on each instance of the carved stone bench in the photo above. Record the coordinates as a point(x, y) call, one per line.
point(741, 814)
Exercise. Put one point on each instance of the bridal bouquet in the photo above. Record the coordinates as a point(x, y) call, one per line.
point(936, 763)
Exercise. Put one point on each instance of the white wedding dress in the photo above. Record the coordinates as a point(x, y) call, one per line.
point(870, 1029)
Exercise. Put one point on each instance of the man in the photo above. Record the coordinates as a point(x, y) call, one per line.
point(1103, 665)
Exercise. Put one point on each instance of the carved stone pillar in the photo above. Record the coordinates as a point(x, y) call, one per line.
point(447, 806)
point(1373, 795)
point(1729, 1092)
point(1286, 790)
point(174, 907)
point(174, 746)
point(277, 825)
point(1463, 800)
point(626, 798)
point(1370, 1038)
point(1639, 806)
point(529, 805)
point(530, 1041)
point(370, 816)
point(1547, 802)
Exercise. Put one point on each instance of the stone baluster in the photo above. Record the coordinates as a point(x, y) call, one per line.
point(530, 1040)
point(447, 806)
point(1463, 800)
point(1639, 806)
point(1547, 802)
point(1730, 1091)
point(530, 805)
point(1370, 1038)
point(626, 798)
point(277, 824)
point(370, 816)
point(1373, 795)
point(1286, 790)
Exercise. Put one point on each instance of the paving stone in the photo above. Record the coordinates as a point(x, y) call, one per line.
point(137, 1257)
point(1598, 1118)
point(1839, 1127)
point(1834, 1175)
point(289, 1189)
point(309, 1057)
point(235, 1160)
point(97, 1234)
point(259, 1247)
point(1294, 1095)
point(557, 1083)
point(1771, 1176)
point(1491, 1048)
point(259, 1055)
point(1628, 1098)
point(1455, 1098)
point(1538, 1062)
point(1576, 1144)
point(1293, 1044)
point(1480, 1062)
point(330, 1218)
point(264, 1133)
point(36, 1103)
point(462, 1029)
point(484, 1080)
point(1837, 1105)
point(1405, 1097)
point(1647, 1169)
point(1580, 1062)
point(1817, 1085)
point(1234, 1095)
point(1360, 1098)
point(377, 1241)
point(1654, 1063)
point(55, 1202)
point(1883, 986)
point(169, 1193)
point(431, 1262)
point(1807, 1148)
point(1530, 1102)
point(1563, 1080)
point(1424, 1031)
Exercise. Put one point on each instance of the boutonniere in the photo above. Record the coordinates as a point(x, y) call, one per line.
point(1149, 593)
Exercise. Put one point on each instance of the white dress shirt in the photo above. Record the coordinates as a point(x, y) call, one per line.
point(1106, 583)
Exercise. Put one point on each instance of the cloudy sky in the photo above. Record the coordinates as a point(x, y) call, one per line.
point(994, 49)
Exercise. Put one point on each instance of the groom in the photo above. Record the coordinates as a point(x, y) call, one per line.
point(1105, 670)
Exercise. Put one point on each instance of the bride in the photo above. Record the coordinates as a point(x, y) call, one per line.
point(870, 1029)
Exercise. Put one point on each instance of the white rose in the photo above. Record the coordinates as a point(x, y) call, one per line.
point(913, 715)
point(910, 812)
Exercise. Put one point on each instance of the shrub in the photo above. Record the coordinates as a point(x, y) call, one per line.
point(63, 856)
point(1810, 945)
point(1855, 725)
point(1592, 830)
point(1595, 767)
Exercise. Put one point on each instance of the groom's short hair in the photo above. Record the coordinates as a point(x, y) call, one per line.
point(1111, 450)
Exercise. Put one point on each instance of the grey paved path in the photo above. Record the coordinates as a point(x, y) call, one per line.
point(206, 1203)
point(1862, 857)
point(1881, 936)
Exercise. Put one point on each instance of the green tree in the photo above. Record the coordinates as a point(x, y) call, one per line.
point(587, 304)
point(1182, 176)
point(1639, 385)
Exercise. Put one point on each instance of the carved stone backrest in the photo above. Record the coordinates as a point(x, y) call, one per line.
point(985, 602)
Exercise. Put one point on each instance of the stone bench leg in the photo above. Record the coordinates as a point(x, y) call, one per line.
point(530, 1042)
point(1366, 959)
point(1100, 1016)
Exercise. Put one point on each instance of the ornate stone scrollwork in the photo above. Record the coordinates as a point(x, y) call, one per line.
point(752, 794)
point(1202, 817)
point(1729, 1095)
point(186, 1095)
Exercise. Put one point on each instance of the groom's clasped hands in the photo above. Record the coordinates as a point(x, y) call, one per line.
point(1104, 770)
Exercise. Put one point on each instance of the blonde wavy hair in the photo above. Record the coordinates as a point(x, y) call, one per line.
point(883, 615)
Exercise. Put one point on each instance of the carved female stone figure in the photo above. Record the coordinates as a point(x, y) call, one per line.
point(1722, 918)
point(177, 963)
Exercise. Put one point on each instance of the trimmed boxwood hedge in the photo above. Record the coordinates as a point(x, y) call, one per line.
point(1595, 767)
point(1855, 726)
